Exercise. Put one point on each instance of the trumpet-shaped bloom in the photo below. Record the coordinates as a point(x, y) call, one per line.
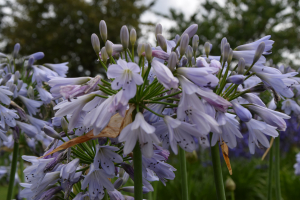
point(230, 130)
point(269, 116)
point(7, 117)
point(164, 75)
point(97, 180)
point(4, 93)
point(257, 131)
point(106, 157)
point(61, 69)
point(290, 105)
point(179, 132)
point(139, 130)
point(254, 45)
point(44, 95)
point(191, 109)
point(31, 105)
point(277, 83)
point(126, 76)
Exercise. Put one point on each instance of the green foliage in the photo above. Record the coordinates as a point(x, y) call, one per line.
point(242, 21)
point(62, 29)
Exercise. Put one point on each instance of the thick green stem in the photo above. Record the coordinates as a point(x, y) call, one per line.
point(155, 190)
point(277, 169)
point(232, 195)
point(270, 175)
point(215, 156)
point(138, 179)
point(13, 169)
point(183, 172)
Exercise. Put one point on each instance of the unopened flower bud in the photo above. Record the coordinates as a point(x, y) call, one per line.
point(124, 36)
point(20, 84)
point(104, 55)
point(236, 79)
point(229, 184)
point(189, 53)
point(162, 42)
point(132, 36)
point(226, 51)
point(6, 78)
point(183, 44)
point(103, 30)
point(158, 30)
point(172, 61)
point(16, 50)
point(51, 132)
point(95, 43)
point(223, 42)
point(109, 48)
point(241, 66)
point(207, 48)
point(148, 52)
point(30, 62)
point(140, 49)
point(16, 77)
point(30, 92)
point(177, 39)
point(64, 124)
point(260, 49)
point(243, 113)
point(191, 30)
point(195, 43)
point(183, 61)
point(37, 55)
point(229, 56)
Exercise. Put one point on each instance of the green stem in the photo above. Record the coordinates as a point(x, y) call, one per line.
point(277, 169)
point(183, 172)
point(155, 184)
point(21, 165)
point(270, 175)
point(215, 156)
point(138, 179)
point(232, 195)
point(13, 171)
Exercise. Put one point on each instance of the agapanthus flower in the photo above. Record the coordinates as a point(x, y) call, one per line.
point(97, 180)
point(139, 130)
point(257, 131)
point(106, 157)
point(126, 77)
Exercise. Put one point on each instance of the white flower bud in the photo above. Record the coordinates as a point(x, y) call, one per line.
point(223, 42)
point(158, 30)
point(183, 44)
point(260, 49)
point(64, 124)
point(241, 66)
point(132, 36)
point(103, 30)
point(51, 132)
point(195, 43)
point(207, 48)
point(16, 50)
point(148, 52)
point(172, 61)
point(229, 56)
point(95, 43)
point(140, 49)
point(30, 92)
point(109, 48)
point(226, 51)
point(162, 42)
point(104, 55)
point(189, 53)
point(124, 36)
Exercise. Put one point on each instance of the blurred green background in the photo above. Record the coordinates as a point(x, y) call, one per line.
point(62, 30)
